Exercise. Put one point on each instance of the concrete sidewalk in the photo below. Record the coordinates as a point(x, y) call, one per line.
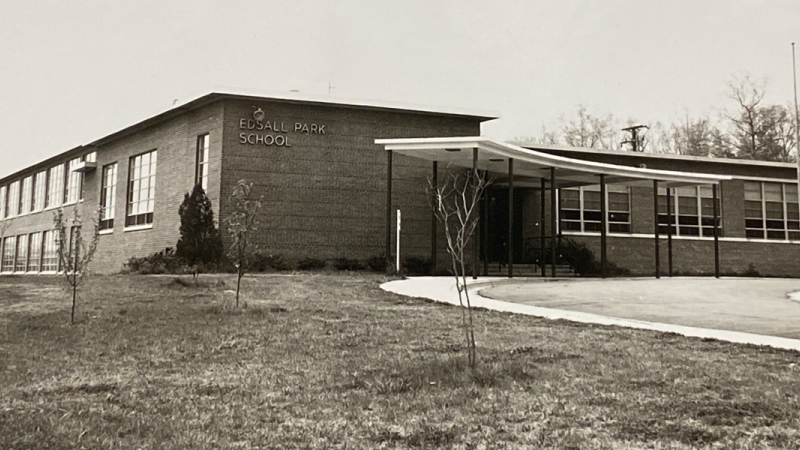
point(443, 289)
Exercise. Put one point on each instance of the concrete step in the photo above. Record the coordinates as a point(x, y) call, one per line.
point(532, 270)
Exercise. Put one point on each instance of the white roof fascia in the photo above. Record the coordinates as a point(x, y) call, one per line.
point(636, 175)
point(672, 156)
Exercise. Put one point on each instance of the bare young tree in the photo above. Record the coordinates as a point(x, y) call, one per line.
point(455, 204)
point(75, 252)
point(241, 222)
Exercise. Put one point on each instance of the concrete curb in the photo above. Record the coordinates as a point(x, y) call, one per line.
point(443, 289)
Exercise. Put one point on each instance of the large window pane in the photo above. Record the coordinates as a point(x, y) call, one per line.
point(141, 189)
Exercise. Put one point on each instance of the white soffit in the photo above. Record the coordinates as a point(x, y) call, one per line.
point(493, 156)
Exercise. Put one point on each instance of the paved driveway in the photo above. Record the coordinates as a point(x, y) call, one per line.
point(751, 305)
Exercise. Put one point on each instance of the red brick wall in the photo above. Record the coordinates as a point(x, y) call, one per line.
point(325, 196)
point(696, 256)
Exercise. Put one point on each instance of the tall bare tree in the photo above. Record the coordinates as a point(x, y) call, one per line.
point(745, 121)
point(455, 204)
point(587, 130)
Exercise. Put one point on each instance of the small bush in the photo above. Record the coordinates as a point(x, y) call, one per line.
point(311, 264)
point(347, 264)
point(377, 263)
point(418, 266)
point(262, 263)
point(164, 261)
point(587, 264)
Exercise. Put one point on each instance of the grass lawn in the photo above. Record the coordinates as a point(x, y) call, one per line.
point(332, 361)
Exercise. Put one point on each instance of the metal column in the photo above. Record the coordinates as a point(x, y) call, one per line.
point(510, 239)
point(669, 230)
point(603, 225)
point(388, 249)
point(716, 230)
point(485, 214)
point(553, 221)
point(542, 227)
point(474, 179)
point(655, 227)
point(435, 183)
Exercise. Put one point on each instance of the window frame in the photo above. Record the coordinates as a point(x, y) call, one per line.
point(39, 193)
point(3, 194)
point(702, 223)
point(145, 219)
point(765, 231)
point(22, 244)
point(35, 255)
point(7, 266)
point(612, 216)
point(12, 201)
point(55, 186)
point(108, 188)
point(50, 255)
point(202, 153)
point(26, 195)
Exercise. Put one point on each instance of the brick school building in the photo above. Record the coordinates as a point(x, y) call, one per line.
point(324, 182)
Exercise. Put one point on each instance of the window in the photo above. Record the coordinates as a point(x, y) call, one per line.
point(72, 244)
point(25, 198)
point(771, 210)
point(107, 192)
point(3, 192)
point(22, 253)
point(74, 182)
point(141, 189)
point(34, 251)
point(49, 252)
point(580, 209)
point(39, 188)
point(694, 214)
point(201, 171)
point(55, 189)
point(7, 262)
point(12, 202)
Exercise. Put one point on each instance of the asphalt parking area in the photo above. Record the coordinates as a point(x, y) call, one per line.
point(750, 305)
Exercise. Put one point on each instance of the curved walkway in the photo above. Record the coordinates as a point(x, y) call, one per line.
point(442, 289)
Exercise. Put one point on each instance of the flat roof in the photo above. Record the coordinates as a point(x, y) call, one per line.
point(256, 95)
point(534, 165)
point(672, 156)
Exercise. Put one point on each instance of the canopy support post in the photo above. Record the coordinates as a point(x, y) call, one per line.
point(553, 221)
point(669, 230)
point(474, 179)
point(542, 223)
point(435, 183)
point(655, 228)
point(716, 229)
point(388, 249)
point(603, 225)
point(510, 239)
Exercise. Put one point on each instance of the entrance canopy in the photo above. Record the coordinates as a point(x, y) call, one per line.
point(533, 166)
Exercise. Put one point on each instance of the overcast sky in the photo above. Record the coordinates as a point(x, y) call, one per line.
point(75, 71)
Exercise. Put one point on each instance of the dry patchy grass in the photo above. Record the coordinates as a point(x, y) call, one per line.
point(331, 361)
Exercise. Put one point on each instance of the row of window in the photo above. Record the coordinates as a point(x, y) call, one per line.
point(691, 210)
point(49, 187)
point(35, 252)
point(771, 210)
point(580, 209)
